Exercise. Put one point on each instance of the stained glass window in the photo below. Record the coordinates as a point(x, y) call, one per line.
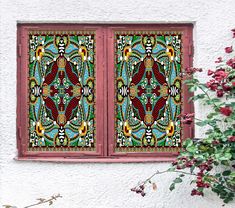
point(61, 90)
point(148, 90)
point(102, 92)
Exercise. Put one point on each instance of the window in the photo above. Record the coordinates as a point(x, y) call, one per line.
point(102, 92)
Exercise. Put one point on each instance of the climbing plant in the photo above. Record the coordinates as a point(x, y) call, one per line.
point(208, 160)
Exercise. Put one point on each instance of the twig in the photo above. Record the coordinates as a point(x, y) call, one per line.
point(202, 121)
point(208, 96)
point(43, 201)
point(165, 171)
point(182, 172)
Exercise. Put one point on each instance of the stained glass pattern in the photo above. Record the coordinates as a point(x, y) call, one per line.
point(147, 90)
point(62, 90)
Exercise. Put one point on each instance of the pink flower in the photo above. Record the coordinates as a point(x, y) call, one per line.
point(196, 192)
point(212, 85)
point(231, 139)
point(200, 183)
point(192, 70)
point(233, 30)
point(220, 93)
point(231, 63)
point(228, 49)
point(227, 111)
point(226, 87)
point(219, 60)
point(210, 72)
point(187, 118)
point(174, 163)
point(220, 74)
point(215, 142)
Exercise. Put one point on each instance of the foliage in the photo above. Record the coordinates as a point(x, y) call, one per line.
point(210, 160)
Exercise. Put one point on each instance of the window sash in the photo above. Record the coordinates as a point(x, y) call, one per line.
point(22, 91)
point(187, 131)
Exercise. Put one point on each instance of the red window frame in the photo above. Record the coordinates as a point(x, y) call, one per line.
point(104, 92)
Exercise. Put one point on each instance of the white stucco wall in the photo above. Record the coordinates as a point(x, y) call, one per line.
point(100, 185)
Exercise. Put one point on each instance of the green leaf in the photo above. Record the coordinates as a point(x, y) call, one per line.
point(197, 97)
point(216, 163)
point(191, 149)
point(178, 180)
point(229, 132)
point(192, 88)
point(191, 81)
point(225, 162)
point(211, 115)
point(226, 173)
point(228, 199)
point(215, 100)
point(202, 123)
point(171, 169)
point(225, 156)
point(203, 148)
point(192, 169)
point(188, 143)
point(233, 174)
point(172, 187)
point(203, 87)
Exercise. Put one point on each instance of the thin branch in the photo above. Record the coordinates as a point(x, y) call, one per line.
point(43, 201)
point(165, 171)
point(202, 121)
point(217, 182)
point(182, 172)
point(208, 96)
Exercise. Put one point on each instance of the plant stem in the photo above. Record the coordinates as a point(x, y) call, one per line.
point(202, 121)
point(165, 171)
point(208, 96)
point(182, 172)
point(43, 201)
point(216, 181)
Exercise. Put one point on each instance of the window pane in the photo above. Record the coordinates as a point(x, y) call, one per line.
point(148, 90)
point(61, 90)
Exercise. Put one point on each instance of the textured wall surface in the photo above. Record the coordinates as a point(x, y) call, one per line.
point(100, 185)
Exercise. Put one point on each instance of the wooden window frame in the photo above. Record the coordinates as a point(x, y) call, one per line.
point(104, 93)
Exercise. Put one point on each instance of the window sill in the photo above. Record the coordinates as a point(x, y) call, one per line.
point(97, 160)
